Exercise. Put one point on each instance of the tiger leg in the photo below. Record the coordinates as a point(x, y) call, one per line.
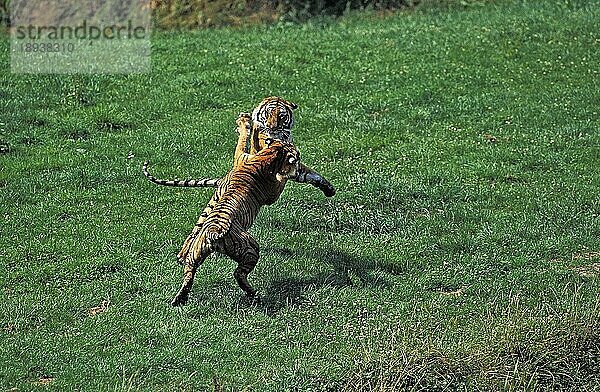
point(244, 250)
point(185, 249)
point(243, 130)
point(200, 251)
point(309, 176)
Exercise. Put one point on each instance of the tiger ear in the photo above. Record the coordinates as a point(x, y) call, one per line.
point(291, 104)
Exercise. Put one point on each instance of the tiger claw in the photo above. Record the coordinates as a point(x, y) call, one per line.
point(243, 121)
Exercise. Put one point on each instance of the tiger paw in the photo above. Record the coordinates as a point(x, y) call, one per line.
point(180, 299)
point(243, 123)
point(243, 120)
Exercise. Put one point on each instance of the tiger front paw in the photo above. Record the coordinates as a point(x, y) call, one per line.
point(243, 120)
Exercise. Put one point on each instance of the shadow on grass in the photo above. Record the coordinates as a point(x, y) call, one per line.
point(346, 270)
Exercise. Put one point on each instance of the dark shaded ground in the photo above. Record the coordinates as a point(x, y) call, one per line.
point(289, 291)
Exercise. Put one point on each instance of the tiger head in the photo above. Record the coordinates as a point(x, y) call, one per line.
point(283, 159)
point(272, 119)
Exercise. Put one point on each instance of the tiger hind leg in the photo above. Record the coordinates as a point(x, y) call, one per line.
point(200, 251)
point(187, 245)
point(244, 250)
point(191, 238)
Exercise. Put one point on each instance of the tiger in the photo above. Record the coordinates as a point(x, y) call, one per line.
point(256, 180)
point(243, 129)
point(272, 119)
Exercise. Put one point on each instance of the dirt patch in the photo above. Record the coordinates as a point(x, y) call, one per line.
point(103, 307)
point(44, 380)
point(109, 125)
point(588, 271)
point(585, 255)
point(454, 293)
point(490, 138)
point(449, 290)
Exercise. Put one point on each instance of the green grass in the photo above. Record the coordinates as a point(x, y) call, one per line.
point(460, 253)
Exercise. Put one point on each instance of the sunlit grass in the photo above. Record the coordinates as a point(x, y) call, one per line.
point(460, 252)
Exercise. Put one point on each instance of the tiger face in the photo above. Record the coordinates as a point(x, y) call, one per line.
point(272, 119)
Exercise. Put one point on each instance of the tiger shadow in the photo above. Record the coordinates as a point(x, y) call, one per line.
point(346, 270)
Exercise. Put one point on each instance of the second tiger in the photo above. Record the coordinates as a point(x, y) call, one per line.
point(255, 180)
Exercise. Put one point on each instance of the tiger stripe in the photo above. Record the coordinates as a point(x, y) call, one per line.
point(201, 183)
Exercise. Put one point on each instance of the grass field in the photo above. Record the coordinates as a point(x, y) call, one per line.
point(461, 252)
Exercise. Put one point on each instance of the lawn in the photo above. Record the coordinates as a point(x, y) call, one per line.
point(461, 252)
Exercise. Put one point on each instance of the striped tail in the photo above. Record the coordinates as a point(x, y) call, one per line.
point(203, 183)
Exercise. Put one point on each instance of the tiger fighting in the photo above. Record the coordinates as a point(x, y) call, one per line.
point(264, 159)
